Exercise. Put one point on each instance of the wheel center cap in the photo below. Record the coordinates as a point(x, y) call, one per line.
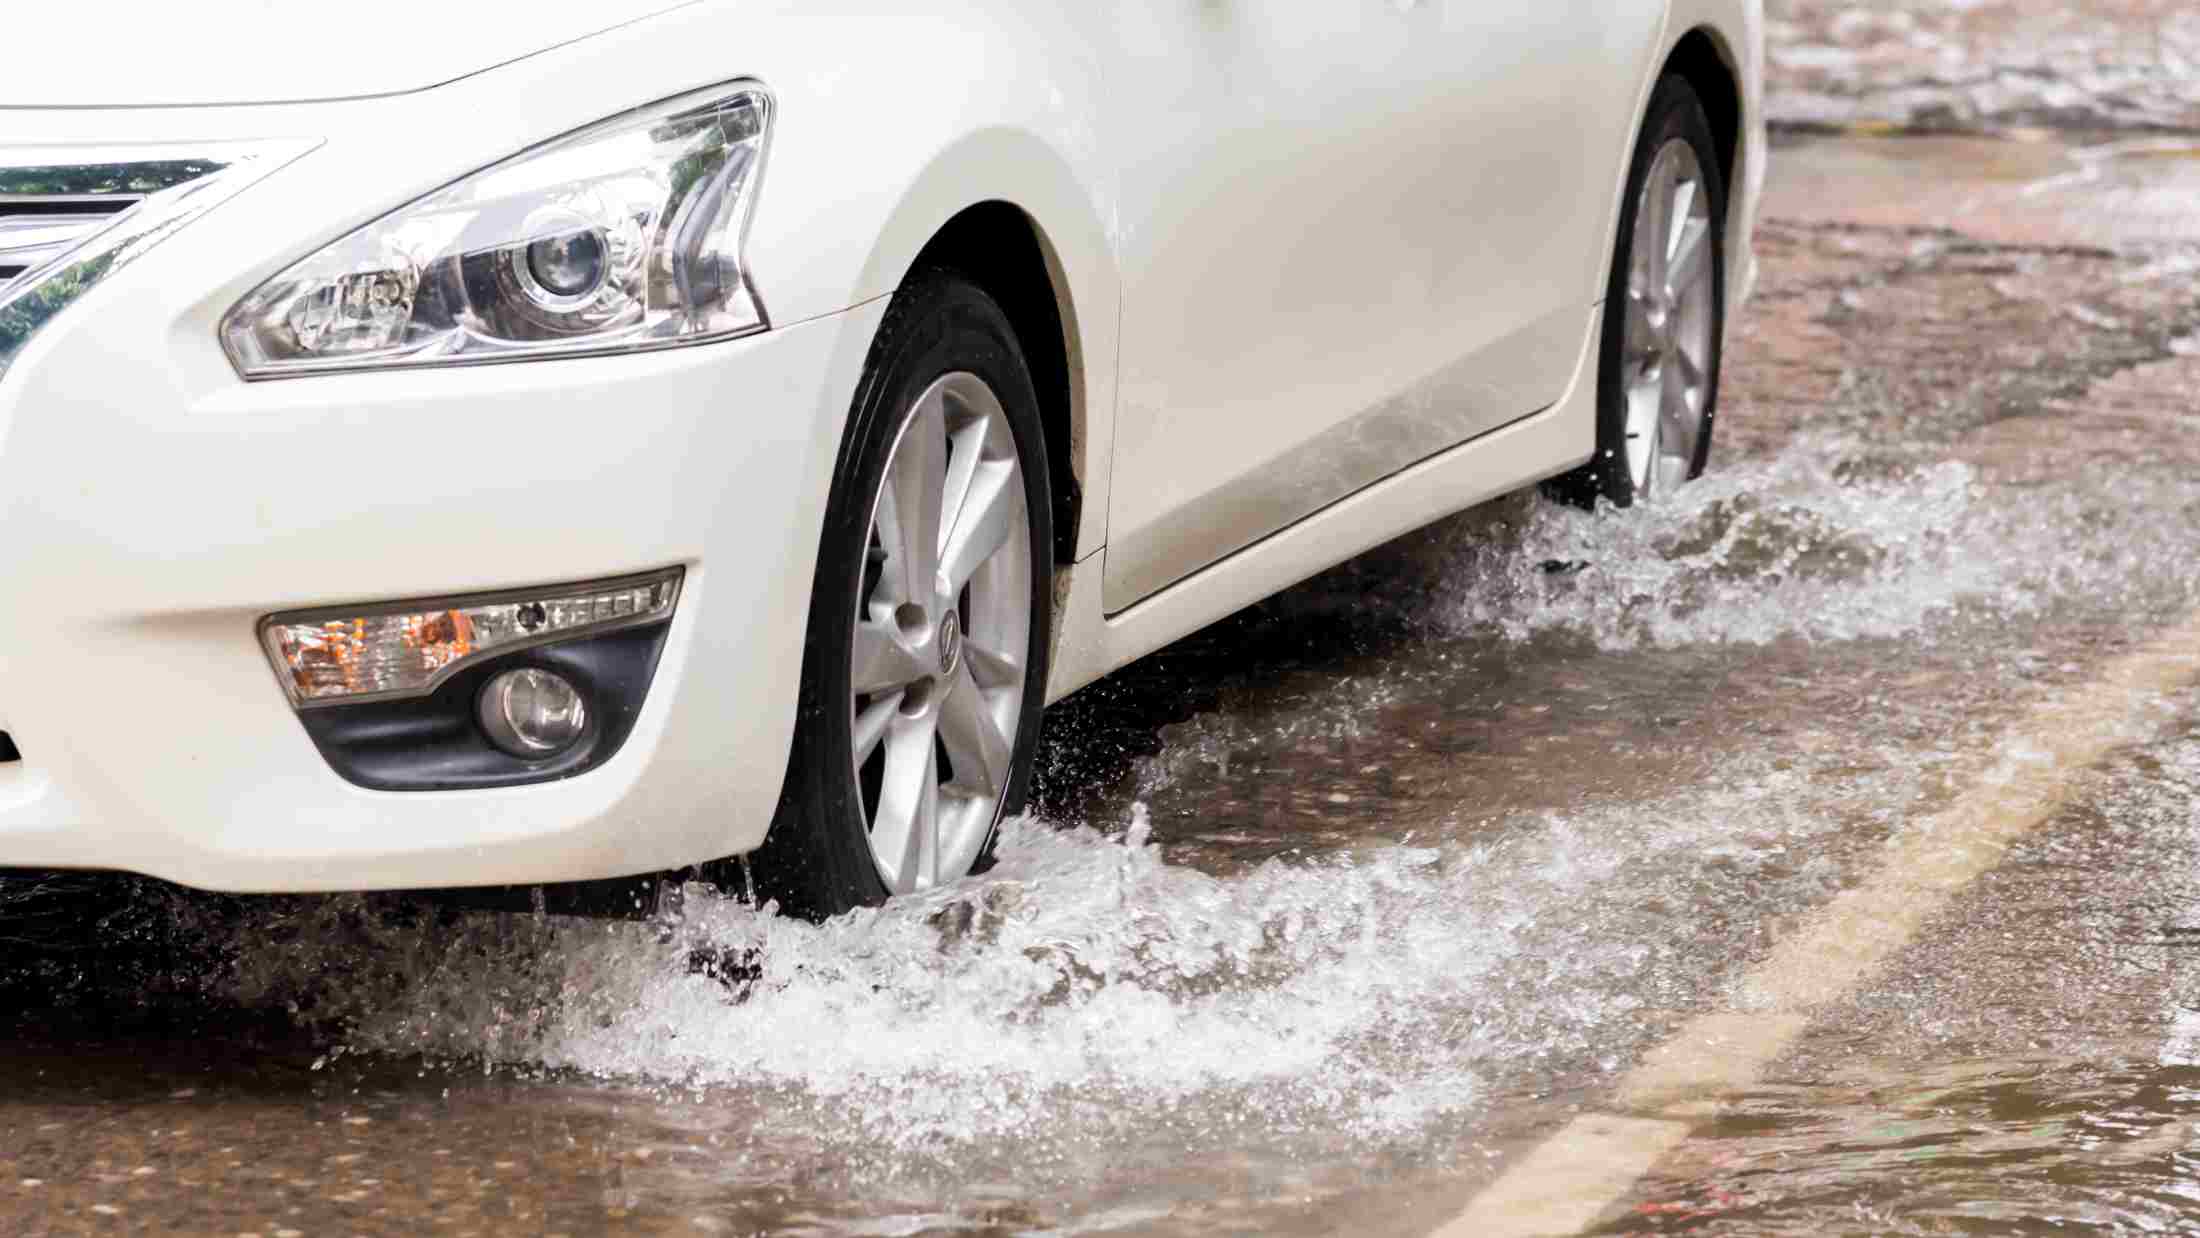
point(951, 643)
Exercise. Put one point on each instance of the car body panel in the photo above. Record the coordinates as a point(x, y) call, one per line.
point(1324, 286)
point(1095, 641)
point(276, 51)
point(1098, 637)
point(156, 506)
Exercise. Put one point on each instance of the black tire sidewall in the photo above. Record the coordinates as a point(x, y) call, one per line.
point(1674, 112)
point(816, 860)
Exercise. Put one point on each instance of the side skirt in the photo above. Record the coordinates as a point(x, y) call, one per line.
point(1090, 643)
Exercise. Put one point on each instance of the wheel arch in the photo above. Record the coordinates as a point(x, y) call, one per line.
point(1702, 57)
point(1006, 206)
point(1002, 249)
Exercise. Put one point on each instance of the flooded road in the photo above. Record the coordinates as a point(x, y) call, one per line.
point(2036, 1069)
point(1966, 65)
point(1331, 914)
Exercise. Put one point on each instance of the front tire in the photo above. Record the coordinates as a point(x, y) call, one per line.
point(1664, 312)
point(925, 664)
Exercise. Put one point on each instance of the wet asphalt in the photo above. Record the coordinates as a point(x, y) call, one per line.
point(1330, 912)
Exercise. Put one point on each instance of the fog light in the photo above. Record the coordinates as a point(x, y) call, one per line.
point(532, 713)
point(398, 649)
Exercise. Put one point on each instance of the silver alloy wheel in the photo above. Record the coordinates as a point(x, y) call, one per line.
point(1667, 353)
point(942, 633)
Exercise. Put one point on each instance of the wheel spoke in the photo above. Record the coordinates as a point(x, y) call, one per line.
point(917, 477)
point(1644, 399)
point(1641, 337)
point(1656, 226)
point(992, 668)
point(1678, 397)
point(1691, 253)
point(1677, 412)
point(905, 826)
point(1682, 203)
point(922, 867)
point(983, 523)
point(871, 724)
point(975, 745)
point(1692, 376)
point(881, 662)
point(965, 452)
point(892, 589)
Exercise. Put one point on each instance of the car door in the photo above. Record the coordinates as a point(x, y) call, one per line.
point(1352, 237)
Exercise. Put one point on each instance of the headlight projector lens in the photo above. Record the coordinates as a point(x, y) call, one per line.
point(532, 713)
point(568, 267)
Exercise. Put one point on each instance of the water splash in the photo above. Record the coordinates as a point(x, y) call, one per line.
point(1804, 545)
point(1984, 63)
point(1087, 984)
point(1827, 541)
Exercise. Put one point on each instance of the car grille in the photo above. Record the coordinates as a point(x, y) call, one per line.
point(37, 226)
point(72, 217)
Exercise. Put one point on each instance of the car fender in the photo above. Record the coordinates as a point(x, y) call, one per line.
point(855, 189)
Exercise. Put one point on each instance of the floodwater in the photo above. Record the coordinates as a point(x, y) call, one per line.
point(1328, 912)
point(1984, 64)
point(2037, 1069)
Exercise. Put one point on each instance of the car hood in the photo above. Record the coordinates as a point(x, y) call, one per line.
point(87, 54)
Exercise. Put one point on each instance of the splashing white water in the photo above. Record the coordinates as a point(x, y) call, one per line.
point(1086, 982)
point(1822, 542)
point(1087, 988)
point(1798, 546)
point(1976, 63)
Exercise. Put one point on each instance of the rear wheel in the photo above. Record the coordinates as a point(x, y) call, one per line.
point(926, 658)
point(1664, 312)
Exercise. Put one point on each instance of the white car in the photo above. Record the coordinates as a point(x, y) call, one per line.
point(528, 441)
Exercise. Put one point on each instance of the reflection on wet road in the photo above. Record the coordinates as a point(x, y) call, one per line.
point(1332, 911)
point(2037, 1065)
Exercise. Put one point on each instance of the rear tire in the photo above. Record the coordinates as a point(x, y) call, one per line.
point(1664, 312)
point(925, 663)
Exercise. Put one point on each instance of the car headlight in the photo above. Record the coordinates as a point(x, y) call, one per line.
point(623, 235)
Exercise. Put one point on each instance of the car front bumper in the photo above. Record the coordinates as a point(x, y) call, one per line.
point(154, 507)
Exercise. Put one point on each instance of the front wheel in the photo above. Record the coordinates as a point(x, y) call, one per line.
point(930, 616)
point(1664, 312)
